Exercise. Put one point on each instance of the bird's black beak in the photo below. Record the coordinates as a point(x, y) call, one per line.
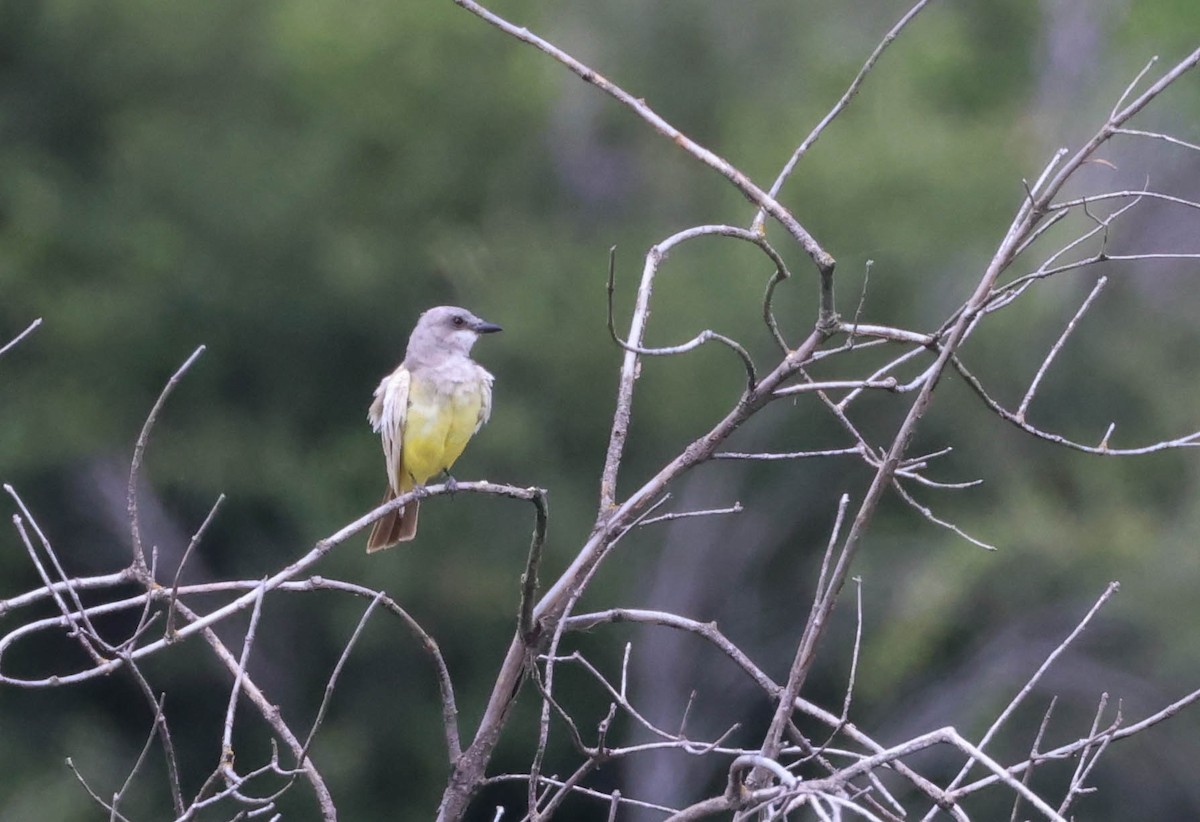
point(482, 327)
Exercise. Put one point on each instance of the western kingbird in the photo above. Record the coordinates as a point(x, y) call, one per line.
point(428, 409)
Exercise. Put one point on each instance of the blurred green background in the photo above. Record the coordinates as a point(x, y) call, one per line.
point(291, 182)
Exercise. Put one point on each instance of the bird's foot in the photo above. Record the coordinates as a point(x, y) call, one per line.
point(451, 485)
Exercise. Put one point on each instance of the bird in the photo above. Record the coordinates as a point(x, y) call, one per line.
point(427, 410)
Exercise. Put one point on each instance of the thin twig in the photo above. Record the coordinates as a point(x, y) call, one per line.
point(886, 384)
point(748, 189)
point(137, 765)
point(838, 108)
point(789, 455)
point(590, 792)
point(337, 672)
point(266, 710)
point(653, 259)
point(1152, 134)
point(1062, 339)
point(1132, 85)
point(1136, 194)
point(240, 674)
point(529, 579)
point(114, 814)
point(1083, 765)
point(1012, 706)
point(862, 302)
point(1033, 755)
point(709, 632)
point(1187, 441)
point(785, 705)
point(736, 508)
point(135, 465)
point(858, 623)
point(17, 339)
point(927, 513)
point(87, 637)
point(195, 540)
point(164, 735)
point(241, 603)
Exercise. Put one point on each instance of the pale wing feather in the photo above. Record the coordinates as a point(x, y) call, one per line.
point(485, 396)
point(386, 416)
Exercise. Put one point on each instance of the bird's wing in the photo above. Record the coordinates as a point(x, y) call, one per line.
point(485, 391)
point(386, 416)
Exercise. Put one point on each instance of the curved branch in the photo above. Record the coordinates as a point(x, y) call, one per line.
point(1189, 441)
point(135, 466)
point(637, 329)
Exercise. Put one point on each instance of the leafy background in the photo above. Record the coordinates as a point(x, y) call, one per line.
point(291, 182)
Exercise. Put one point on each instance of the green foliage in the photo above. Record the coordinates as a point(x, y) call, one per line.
point(290, 183)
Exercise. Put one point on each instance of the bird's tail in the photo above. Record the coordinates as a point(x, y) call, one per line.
point(398, 526)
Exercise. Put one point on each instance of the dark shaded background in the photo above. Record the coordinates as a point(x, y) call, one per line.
point(290, 183)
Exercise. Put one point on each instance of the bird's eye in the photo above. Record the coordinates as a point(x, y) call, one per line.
point(459, 320)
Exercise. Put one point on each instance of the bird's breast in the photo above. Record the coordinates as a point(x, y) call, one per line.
point(442, 416)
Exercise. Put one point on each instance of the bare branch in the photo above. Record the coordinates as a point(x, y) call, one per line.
point(265, 709)
point(239, 676)
point(195, 540)
point(529, 579)
point(736, 508)
point(753, 193)
point(822, 605)
point(1086, 762)
point(445, 686)
point(711, 634)
point(1033, 755)
point(928, 514)
point(1029, 685)
point(155, 728)
point(637, 329)
point(887, 384)
point(606, 797)
point(858, 622)
point(790, 455)
point(1132, 85)
point(135, 466)
point(1041, 372)
point(1153, 135)
point(77, 621)
point(1188, 441)
point(11, 344)
point(337, 672)
point(74, 584)
point(164, 735)
point(839, 107)
point(862, 302)
point(114, 814)
point(695, 342)
point(1135, 194)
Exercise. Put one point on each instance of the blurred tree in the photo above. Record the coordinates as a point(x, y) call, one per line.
point(291, 183)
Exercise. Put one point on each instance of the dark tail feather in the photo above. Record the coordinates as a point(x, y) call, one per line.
point(398, 526)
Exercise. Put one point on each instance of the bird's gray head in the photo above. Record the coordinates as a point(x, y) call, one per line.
point(444, 330)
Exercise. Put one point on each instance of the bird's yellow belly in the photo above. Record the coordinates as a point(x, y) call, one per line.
point(437, 427)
